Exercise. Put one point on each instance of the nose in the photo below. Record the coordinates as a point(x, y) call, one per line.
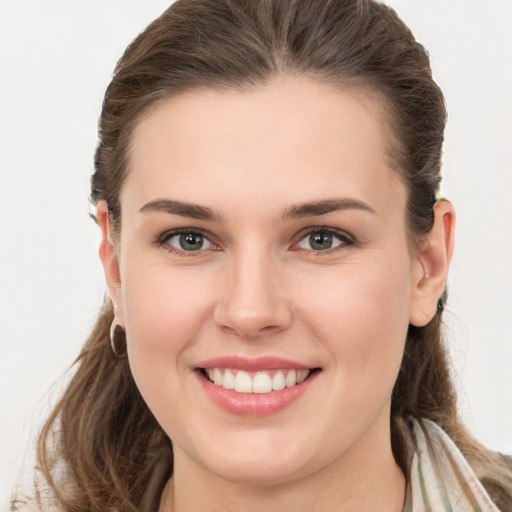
point(252, 301)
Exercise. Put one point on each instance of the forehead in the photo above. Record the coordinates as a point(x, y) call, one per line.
point(293, 139)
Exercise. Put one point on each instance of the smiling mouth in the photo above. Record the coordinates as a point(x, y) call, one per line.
point(264, 381)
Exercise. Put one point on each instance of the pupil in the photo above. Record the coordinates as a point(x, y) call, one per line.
point(321, 241)
point(191, 241)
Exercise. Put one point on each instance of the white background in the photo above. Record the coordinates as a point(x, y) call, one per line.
point(56, 58)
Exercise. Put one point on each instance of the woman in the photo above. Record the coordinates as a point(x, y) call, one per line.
point(276, 259)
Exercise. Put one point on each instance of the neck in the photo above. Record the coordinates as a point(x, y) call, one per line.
point(365, 478)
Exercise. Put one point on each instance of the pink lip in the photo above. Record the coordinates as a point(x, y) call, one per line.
point(252, 365)
point(253, 404)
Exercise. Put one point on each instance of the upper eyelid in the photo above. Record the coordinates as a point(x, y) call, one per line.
point(166, 235)
point(342, 234)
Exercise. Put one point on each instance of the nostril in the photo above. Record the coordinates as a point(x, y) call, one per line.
point(251, 331)
point(270, 329)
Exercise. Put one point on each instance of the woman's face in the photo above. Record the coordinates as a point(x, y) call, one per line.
point(263, 241)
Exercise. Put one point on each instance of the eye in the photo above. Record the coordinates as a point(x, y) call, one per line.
point(323, 240)
point(186, 240)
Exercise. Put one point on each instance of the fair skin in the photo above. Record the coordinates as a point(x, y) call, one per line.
point(330, 288)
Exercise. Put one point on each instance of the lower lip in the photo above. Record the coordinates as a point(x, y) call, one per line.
point(254, 404)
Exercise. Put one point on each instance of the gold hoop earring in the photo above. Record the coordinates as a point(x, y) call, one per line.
point(117, 339)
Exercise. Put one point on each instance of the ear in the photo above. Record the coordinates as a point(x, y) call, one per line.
point(110, 261)
point(432, 263)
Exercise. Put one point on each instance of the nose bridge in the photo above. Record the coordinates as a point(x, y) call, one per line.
point(252, 300)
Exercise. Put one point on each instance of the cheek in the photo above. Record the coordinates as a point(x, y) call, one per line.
point(163, 307)
point(362, 316)
point(165, 316)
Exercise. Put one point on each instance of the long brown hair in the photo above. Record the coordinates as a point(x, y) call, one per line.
point(102, 448)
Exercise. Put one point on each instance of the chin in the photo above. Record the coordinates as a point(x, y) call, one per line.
point(260, 474)
point(267, 459)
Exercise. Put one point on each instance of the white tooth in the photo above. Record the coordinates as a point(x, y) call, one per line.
point(291, 379)
point(301, 375)
point(243, 382)
point(229, 380)
point(209, 371)
point(278, 381)
point(217, 377)
point(262, 383)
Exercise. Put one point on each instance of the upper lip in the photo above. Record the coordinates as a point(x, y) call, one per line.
point(253, 364)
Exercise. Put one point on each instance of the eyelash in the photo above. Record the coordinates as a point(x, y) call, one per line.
point(341, 236)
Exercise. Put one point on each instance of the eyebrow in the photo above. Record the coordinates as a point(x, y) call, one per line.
point(311, 209)
point(316, 208)
point(174, 207)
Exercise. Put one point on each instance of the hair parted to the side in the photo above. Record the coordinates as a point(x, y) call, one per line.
point(102, 449)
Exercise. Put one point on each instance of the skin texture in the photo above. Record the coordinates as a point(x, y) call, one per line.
point(258, 288)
